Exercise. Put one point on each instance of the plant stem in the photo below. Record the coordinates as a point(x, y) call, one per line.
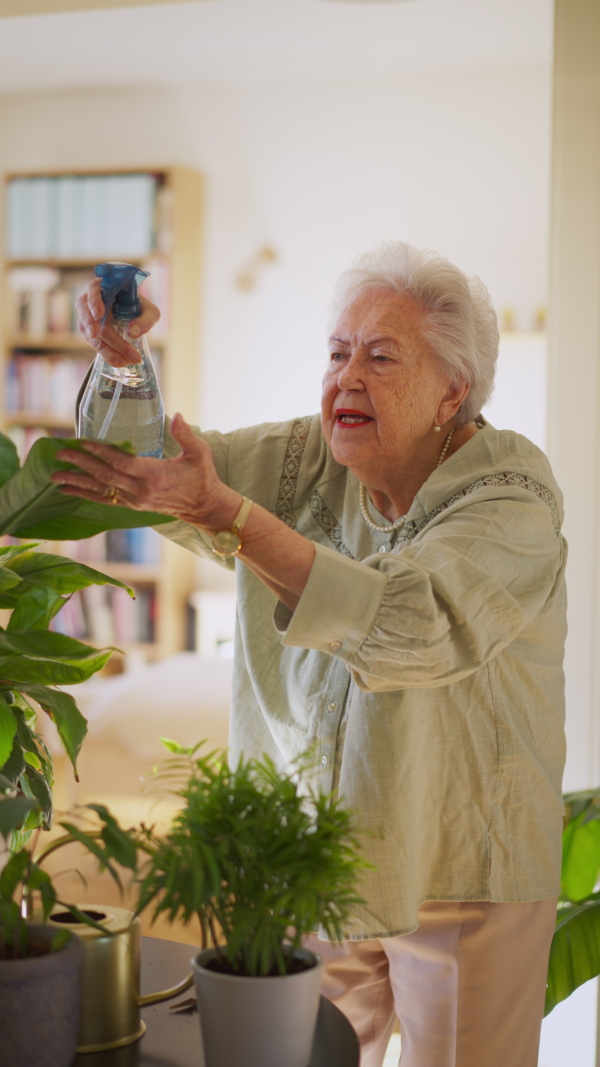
point(213, 934)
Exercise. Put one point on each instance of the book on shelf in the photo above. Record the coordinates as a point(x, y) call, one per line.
point(108, 616)
point(85, 216)
point(140, 545)
point(42, 301)
point(43, 383)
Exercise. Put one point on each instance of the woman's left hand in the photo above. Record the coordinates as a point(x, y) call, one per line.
point(186, 487)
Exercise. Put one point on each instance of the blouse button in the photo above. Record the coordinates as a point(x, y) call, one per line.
point(335, 646)
point(332, 706)
point(324, 760)
point(382, 548)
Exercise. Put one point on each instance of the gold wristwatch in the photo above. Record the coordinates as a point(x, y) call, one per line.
point(227, 543)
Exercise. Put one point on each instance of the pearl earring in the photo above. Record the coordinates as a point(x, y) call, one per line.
point(437, 429)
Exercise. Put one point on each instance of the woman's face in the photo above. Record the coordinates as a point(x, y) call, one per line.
point(382, 389)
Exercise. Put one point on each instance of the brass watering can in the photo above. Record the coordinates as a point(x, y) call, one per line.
point(110, 990)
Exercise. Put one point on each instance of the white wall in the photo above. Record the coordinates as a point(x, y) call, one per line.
point(457, 162)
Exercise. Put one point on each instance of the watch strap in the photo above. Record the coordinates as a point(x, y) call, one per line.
point(228, 543)
point(240, 520)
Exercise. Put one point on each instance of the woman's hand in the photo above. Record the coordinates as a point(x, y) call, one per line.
point(186, 487)
point(111, 346)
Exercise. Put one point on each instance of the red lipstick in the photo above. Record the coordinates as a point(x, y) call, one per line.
point(349, 417)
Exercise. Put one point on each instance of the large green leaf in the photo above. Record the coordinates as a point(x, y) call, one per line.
point(91, 519)
point(15, 765)
point(46, 645)
point(35, 786)
point(8, 552)
point(574, 953)
point(63, 710)
point(47, 657)
point(13, 812)
point(30, 496)
point(581, 856)
point(21, 671)
point(9, 459)
point(8, 579)
point(8, 729)
point(33, 506)
point(61, 574)
point(35, 609)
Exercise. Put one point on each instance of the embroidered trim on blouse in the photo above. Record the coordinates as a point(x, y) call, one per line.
point(510, 478)
point(291, 470)
point(328, 522)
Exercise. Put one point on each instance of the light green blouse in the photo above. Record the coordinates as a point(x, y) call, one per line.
point(425, 667)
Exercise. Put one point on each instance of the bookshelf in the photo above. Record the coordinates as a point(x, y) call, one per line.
point(58, 225)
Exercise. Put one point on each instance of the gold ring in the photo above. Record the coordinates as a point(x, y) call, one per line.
point(112, 494)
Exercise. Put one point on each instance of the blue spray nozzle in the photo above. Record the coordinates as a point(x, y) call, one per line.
point(119, 286)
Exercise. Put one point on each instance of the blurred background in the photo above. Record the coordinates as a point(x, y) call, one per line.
point(278, 139)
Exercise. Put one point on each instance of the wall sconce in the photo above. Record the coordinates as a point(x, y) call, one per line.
point(248, 277)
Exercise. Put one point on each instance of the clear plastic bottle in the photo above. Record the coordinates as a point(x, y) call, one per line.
point(122, 404)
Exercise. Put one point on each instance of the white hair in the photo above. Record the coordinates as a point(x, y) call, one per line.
point(459, 324)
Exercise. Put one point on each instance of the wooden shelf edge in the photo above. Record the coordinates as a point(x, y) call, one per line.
point(65, 342)
point(46, 420)
point(85, 262)
point(147, 573)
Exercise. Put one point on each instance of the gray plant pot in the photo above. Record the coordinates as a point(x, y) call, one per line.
point(39, 1018)
point(257, 1022)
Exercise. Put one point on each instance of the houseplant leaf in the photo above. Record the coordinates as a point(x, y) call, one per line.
point(15, 765)
point(64, 712)
point(581, 858)
point(575, 951)
point(45, 656)
point(8, 579)
point(61, 574)
point(9, 459)
point(13, 812)
point(35, 609)
point(35, 786)
point(33, 506)
point(8, 729)
point(581, 845)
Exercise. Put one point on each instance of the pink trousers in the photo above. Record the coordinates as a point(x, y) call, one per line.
point(468, 986)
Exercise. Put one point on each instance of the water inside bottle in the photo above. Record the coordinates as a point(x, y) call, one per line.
point(137, 417)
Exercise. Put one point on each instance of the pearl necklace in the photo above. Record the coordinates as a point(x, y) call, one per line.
point(362, 496)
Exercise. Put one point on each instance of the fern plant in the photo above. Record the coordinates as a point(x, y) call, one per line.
point(256, 861)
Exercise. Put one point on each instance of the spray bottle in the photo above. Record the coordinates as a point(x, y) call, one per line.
point(123, 403)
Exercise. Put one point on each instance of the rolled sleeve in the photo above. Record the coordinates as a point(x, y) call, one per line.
point(441, 608)
point(337, 608)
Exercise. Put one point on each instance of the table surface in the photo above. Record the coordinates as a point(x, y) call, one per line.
point(172, 1039)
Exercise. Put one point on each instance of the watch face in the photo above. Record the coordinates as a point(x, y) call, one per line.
point(227, 542)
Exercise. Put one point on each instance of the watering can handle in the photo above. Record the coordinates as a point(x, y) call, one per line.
point(164, 994)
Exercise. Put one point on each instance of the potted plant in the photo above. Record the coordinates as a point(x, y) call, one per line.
point(575, 948)
point(34, 585)
point(34, 661)
point(43, 964)
point(260, 863)
point(39, 970)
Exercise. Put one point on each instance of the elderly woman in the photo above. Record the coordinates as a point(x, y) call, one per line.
point(402, 609)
